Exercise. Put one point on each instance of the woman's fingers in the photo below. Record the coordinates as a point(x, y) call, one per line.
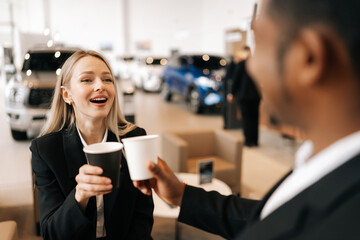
point(92, 194)
point(85, 192)
point(95, 187)
point(89, 183)
point(90, 170)
point(92, 179)
point(90, 174)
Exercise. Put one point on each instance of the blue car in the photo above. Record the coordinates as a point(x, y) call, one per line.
point(198, 78)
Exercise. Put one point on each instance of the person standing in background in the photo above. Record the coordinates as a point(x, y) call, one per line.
point(248, 100)
point(228, 81)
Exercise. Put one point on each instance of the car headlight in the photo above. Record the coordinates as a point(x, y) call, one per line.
point(206, 82)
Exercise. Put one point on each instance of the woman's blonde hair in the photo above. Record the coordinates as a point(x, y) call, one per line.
point(62, 115)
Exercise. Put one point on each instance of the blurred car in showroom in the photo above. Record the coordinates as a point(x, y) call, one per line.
point(198, 78)
point(125, 65)
point(28, 94)
point(147, 75)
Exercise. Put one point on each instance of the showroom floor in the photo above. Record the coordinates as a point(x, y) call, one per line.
point(262, 166)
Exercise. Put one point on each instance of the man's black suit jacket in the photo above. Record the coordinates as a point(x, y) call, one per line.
point(328, 209)
point(56, 159)
point(243, 87)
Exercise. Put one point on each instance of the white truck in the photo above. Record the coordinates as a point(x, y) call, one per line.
point(28, 94)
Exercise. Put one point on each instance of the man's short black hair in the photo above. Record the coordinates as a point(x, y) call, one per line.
point(343, 16)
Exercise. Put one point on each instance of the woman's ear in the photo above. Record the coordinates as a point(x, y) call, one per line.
point(66, 95)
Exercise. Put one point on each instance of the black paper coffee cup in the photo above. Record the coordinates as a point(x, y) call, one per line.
point(106, 155)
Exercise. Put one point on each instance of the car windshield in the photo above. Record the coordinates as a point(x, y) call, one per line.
point(208, 62)
point(45, 61)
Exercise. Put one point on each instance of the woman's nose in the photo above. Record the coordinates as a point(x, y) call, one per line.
point(99, 85)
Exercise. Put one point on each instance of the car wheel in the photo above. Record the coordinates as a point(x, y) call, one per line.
point(194, 101)
point(18, 135)
point(166, 93)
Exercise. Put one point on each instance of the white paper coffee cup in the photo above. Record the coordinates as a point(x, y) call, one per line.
point(139, 151)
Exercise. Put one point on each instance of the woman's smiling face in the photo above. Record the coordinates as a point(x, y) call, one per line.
point(91, 91)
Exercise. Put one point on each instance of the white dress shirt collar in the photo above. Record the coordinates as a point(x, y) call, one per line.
point(308, 170)
point(83, 141)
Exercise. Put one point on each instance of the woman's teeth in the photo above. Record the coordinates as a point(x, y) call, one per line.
point(98, 100)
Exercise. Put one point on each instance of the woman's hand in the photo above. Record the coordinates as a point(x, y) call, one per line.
point(166, 185)
point(90, 183)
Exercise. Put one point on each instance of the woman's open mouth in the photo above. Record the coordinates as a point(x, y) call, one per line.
point(98, 100)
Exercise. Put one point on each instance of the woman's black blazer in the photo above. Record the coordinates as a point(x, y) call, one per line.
point(56, 159)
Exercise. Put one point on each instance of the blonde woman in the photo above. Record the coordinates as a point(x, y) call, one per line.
point(75, 201)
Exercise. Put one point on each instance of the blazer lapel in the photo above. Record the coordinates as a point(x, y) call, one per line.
point(308, 206)
point(74, 155)
point(256, 215)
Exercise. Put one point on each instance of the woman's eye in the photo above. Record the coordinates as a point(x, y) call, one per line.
point(108, 80)
point(85, 80)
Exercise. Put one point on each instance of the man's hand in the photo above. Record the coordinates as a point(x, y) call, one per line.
point(166, 185)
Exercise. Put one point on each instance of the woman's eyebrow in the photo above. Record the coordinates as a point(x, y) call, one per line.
point(87, 72)
point(91, 72)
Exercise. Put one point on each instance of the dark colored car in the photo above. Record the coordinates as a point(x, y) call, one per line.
point(198, 78)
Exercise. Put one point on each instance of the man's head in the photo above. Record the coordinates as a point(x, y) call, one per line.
point(306, 51)
point(242, 54)
point(341, 16)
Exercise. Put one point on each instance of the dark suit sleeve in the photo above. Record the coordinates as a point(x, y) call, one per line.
point(248, 89)
point(212, 212)
point(142, 222)
point(229, 71)
point(237, 78)
point(60, 215)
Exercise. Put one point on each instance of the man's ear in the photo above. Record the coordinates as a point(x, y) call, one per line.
point(66, 95)
point(312, 58)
